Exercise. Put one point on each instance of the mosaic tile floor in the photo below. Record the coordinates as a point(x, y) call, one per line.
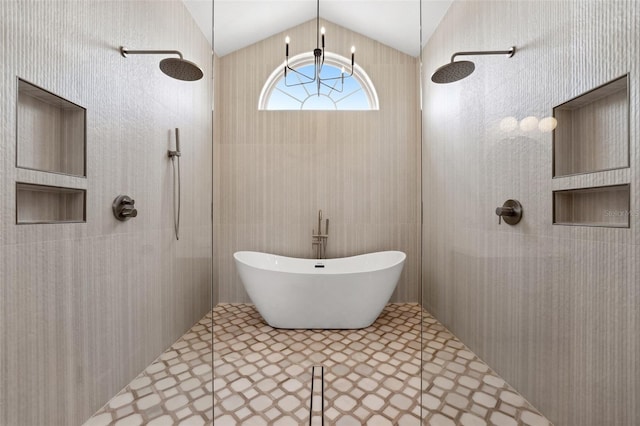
point(460, 389)
point(174, 390)
point(262, 376)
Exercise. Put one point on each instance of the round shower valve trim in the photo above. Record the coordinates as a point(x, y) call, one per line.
point(123, 208)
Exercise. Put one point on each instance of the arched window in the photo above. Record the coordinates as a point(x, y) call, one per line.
point(357, 93)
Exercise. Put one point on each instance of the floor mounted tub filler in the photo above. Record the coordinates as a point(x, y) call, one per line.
point(344, 293)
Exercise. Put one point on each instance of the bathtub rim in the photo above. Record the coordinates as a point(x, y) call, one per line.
point(321, 271)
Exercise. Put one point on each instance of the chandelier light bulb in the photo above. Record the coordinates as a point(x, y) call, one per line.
point(353, 49)
point(287, 40)
point(322, 30)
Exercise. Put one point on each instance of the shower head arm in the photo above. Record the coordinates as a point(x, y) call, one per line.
point(510, 52)
point(124, 52)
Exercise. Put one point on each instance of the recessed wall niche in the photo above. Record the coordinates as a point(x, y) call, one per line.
point(607, 206)
point(50, 132)
point(593, 130)
point(49, 204)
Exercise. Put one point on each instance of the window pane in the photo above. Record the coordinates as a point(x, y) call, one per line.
point(279, 100)
point(339, 93)
point(315, 102)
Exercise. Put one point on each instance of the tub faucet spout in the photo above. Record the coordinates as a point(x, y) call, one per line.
point(319, 240)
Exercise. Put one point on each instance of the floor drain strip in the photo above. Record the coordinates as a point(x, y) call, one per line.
point(316, 404)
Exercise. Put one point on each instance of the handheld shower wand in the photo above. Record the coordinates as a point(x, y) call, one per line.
point(177, 152)
point(173, 155)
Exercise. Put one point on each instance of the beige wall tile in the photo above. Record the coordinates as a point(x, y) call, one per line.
point(276, 169)
point(85, 307)
point(553, 309)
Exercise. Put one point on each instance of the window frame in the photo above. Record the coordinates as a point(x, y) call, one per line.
point(331, 59)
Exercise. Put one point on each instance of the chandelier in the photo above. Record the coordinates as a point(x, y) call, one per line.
point(318, 63)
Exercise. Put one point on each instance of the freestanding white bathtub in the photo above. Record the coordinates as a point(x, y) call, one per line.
point(343, 293)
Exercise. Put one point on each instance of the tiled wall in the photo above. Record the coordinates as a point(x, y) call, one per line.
point(553, 309)
point(85, 307)
point(276, 169)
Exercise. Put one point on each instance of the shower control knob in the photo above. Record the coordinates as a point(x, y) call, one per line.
point(123, 208)
point(129, 212)
point(511, 211)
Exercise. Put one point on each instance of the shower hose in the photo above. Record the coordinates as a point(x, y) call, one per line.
point(176, 212)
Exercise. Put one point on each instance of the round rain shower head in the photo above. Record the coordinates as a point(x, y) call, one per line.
point(457, 70)
point(453, 71)
point(178, 68)
point(181, 69)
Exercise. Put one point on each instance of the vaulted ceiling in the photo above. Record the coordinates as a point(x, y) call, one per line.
point(240, 23)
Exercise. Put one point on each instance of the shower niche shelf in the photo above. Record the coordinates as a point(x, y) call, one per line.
point(592, 134)
point(37, 204)
point(51, 132)
point(603, 206)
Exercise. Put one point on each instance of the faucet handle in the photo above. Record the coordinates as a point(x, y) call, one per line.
point(505, 210)
point(129, 212)
point(511, 210)
point(123, 208)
